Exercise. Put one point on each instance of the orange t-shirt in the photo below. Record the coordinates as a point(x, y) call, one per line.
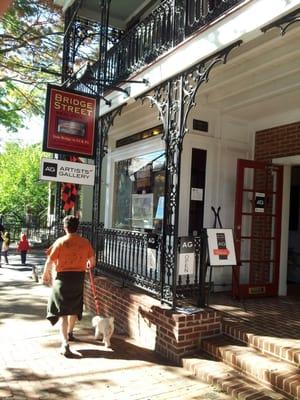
point(70, 253)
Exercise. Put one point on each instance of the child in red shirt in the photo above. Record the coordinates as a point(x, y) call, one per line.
point(23, 247)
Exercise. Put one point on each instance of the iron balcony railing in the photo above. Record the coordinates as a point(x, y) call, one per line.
point(167, 26)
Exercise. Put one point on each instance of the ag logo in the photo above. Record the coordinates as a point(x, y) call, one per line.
point(50, 169)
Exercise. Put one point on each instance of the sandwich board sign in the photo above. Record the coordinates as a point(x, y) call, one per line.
point(221, 247)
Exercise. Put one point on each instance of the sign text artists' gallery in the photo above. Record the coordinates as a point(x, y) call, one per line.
point(67, 171)
point(70, 122)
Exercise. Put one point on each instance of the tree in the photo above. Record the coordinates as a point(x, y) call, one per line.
point(20, 188)
point(31, 35)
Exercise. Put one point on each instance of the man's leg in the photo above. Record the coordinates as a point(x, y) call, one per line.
point(63, 328)
point(71, 323)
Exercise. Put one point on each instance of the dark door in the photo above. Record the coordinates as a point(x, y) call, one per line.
point(257, 229)
point(198, 172)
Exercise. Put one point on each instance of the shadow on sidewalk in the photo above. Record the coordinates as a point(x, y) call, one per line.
point(61, 384)
point(13, 304)
point(52, 389)
point(121, 349)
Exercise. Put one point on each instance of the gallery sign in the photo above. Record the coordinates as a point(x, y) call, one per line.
point(186, 256)
point(67, 172)
point(70, 122)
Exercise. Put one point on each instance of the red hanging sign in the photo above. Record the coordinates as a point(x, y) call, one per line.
point(70, 122)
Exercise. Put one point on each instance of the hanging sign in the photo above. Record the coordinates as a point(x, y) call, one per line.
point(186, 257)
point(67, 172)
point(260, 200)
point(70, 122)
point(221, 247)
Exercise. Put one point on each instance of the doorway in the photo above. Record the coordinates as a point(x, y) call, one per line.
point(257, 229)
point(293, 267)
point(198, 173)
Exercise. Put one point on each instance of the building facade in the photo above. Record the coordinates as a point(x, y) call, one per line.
point(199, 118)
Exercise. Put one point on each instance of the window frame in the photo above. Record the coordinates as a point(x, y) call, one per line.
point(119, 154)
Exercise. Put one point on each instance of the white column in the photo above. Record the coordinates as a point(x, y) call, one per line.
point(282, 290)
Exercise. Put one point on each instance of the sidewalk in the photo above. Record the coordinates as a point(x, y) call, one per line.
point(32, 368)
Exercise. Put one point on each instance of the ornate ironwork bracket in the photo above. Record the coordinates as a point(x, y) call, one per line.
point(174, 100)
point(105, 123)
point(284, 23)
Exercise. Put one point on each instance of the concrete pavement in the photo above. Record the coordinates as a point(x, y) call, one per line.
point(32, 368)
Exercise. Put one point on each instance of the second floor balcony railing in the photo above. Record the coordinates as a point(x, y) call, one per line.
point(168, 25)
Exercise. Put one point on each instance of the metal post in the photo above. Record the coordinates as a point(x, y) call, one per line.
point(203, 268)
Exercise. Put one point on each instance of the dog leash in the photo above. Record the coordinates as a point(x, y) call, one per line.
point(94, 291)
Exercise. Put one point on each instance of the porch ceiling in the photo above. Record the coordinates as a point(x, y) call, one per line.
point(260, 79)
point(121, 11)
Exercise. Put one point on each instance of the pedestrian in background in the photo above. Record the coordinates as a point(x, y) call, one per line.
point(1, 238)
point(23, 247)
point(70, 255)
point(5, 245)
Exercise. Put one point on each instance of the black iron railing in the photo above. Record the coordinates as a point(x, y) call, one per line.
point(44, 235)
point(160, 31)
point(36, 234)
point(135, 259)
point(168, 25)
point(200, 13)
point(125, 255)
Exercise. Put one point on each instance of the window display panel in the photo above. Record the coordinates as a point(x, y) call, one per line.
point(139, 192)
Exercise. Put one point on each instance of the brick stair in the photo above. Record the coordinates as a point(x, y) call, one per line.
point(287, 350)
point(228, 379)
point(256, 357)
point(269, 370)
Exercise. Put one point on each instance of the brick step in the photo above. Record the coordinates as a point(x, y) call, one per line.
point(287, 350)
point(271, 372)
point(228, 379)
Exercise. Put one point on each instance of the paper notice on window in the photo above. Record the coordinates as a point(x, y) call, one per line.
point(260, 201)
point(197, 194)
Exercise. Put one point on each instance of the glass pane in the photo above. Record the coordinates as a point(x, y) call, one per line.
point(139, 192)
point(273, 210)
point(247, 202)
point(244, 273)
point(271, 272)
point(248, 178)
point(245, 249)
point(246, 225)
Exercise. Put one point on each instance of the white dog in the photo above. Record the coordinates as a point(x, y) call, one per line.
point(104, 328)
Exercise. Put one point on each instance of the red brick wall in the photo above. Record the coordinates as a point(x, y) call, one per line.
point(143, 318)
point(281, 141)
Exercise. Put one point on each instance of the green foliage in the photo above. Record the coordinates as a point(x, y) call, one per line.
point(31, 35)
point(10, 116)
point(20, 188)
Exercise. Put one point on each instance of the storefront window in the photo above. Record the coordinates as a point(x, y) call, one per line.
point(139, 192)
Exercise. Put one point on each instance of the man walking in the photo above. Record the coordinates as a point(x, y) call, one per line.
point(70, 255)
